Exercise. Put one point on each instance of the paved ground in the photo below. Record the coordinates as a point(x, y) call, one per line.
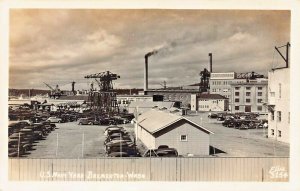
point(235, 142)
point(74, 141)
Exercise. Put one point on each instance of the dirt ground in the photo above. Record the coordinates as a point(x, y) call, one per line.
point(71, 140)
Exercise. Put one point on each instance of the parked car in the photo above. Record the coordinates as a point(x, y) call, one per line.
point(261, 123)
point(88, 121)
point(118, 154)
point(162, 152)
point(54, 120)
point(212, 115)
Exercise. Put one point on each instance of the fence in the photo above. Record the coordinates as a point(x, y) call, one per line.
point(151, 169)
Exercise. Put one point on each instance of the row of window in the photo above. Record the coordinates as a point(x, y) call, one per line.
point(278, 116)
point(237, 108)
point(248, 88)
point(203, 106)
point(247, 93)
point(273, 132)
point(220, 82)
point(237, 100)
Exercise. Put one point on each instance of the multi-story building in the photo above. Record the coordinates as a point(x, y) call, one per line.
point(250, 96)
point(220, 83)
point(279, 104)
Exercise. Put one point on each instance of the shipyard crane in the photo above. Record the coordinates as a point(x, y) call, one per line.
point(204, 80)
point(103, 101)
point(55, 93)
point(105, 80)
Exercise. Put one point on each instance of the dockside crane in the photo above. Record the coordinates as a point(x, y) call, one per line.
point(105, 80)
point(104, 100)
point(55, 93)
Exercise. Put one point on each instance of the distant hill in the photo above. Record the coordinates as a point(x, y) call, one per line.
point(25, 92)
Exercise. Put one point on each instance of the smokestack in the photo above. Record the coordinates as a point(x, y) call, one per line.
point(146, 74)
point(73, 87)
point(146, 68)
point(210, 62)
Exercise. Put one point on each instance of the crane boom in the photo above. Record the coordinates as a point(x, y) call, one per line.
point(49, 86)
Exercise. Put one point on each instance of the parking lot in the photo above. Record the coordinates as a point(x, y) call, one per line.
point(71, 140)
point(240, 143)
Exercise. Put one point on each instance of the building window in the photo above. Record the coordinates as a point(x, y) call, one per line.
point(272, 94)
point(183, 137)
point(272, 131)
point(278, 115)
point(237, 93)
point(279, 133)
point(248, 100)
point(259, 108)
point(237, 108)
point(259, 88)
point(248, 93)
point(248, 88)
point(259, 93)
point(237, 88)
point(237, 100)
point(272, 115)
point(279, 90)
point(259, 100)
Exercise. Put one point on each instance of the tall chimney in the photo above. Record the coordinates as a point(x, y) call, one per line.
point(73, 86)
point(146, 74)
point(210, 62)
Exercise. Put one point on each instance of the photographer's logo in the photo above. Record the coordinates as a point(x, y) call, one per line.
point(278, 172)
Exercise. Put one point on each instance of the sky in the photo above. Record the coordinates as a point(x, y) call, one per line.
point(58, 46)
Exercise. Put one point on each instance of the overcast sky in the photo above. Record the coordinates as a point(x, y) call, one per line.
point(59, 46)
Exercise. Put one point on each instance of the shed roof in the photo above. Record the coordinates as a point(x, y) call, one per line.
point(150, 104)
point(211, 96)
point(154, 121)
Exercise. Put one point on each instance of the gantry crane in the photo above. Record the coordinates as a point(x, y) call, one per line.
point(104, 100)
point(105, 80)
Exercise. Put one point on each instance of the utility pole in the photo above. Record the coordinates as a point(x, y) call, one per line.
point(286, 58)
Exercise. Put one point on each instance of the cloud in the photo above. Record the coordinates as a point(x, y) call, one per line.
point(58, 46)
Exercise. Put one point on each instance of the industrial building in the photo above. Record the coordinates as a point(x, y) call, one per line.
point(183, 96)
point(249, 96)
point(279, 99)
point(279, 105)
point(222, 83)
point(155, 128)
point(143, 106)
point(124, 100)
point(209, 102)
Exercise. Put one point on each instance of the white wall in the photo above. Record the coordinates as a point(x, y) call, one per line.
point(194, 103)
point(197, 141)
point(281, 102)
point(211, 105)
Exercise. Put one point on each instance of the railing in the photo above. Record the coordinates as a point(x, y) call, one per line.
point(151, 169)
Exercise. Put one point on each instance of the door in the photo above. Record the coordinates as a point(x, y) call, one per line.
point(248, 108)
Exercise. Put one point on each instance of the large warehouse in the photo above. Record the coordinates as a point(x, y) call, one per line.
point(156, 127)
